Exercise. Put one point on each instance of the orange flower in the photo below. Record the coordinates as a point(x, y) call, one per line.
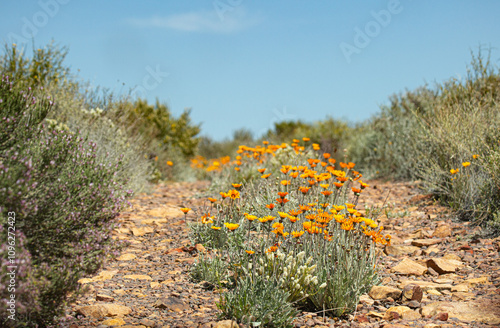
point(363, 185)
point(232, 226)
point(261, 170)
point(304, 208)
point(304, 190)
point(315, 146)
point(306, 139)
point(272, 249)
point(332, 160)
point(234, 194)
point(465, 164)
point(269, 218)
point(311, 217)
point(285, 182)
point(312, 182)
point(452, 171)
point(265, 176)
point(283, 215)
point(170, 163)
point(295, 212)
point(236, 168)
point(282, 201)
point(205, 219)
point(294, 174)
point(293, 219)
point(250, 252)
point(338, 207)
point(237, 186)
point(270, 206)
point(324, 185)
point(327, 155)
point(224, 195)
point(356, 190)
point(327, 192)
point(212, 200)
point(282, 194)
point(215, 228)
point(285, 168)
point(325, 205)
point(338, 184)
point(342, 179)
point(297, 234)
point(185, 210)
point(473, 156)
point(307, 225)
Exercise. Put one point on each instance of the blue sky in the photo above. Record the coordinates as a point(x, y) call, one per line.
point(242, 63)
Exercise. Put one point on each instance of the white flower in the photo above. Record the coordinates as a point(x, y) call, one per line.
point(301, 255)
point(323, 285)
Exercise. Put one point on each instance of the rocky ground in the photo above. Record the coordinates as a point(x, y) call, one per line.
point(436, 273)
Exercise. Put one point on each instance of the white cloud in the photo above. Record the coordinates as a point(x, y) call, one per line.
point(203, 21)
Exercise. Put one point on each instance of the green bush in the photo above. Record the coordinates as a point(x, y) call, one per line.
point(426, 133)
point(64, 197)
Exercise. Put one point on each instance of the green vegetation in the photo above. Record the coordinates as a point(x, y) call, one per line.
point(429, 133)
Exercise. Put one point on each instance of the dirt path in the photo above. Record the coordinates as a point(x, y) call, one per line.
point(448, 278)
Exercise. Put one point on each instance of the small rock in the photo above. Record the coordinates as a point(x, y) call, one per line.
point(126, 257)
point(413, 304)
point(412, 292)
point(172, 304)
point(443, 266)
point(442, 231)
point(103, 310)
point(409, 267)
point(442, 316)
point(114, 322)
point(147, 322)
point(138, 277)
point(383, 292)
point(403, 312)
point(476, 281)
point(398, 250)
point(104, 298)
point(425, 242)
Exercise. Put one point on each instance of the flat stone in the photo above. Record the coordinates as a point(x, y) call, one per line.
point(114, 322)
point(171, 303)
point(126, 257)
point(409, 267)
point(399, 250)
point(460, 288)
point(442, 231)
point(480, 311)
point(383, 292)
point(404, 312)
point(425, 285)
point(138, 277)
point(443, 266)
point(425, 242)
point(104, 298)
point(139, 232)
point(104, 310)
point(477, 281)
point(102, 276)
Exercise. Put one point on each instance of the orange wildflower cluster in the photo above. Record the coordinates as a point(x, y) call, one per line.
point(310, 199)
point(209, 165)
point(464, 164)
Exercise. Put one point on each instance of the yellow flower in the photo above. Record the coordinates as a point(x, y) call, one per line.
point(297, 234)
point(324, 185)
point(285, 182)
point(306, 139)
point(170, 163)
point(465, 164)
point(452, 171)
point(215, 228)
point(250, 252)
point(212, 200)
point(250, 217)
point(233, 194)
point(283, 215)
point(475, 156)
point(232, 226)
point(185, 210)
point(236, 185)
